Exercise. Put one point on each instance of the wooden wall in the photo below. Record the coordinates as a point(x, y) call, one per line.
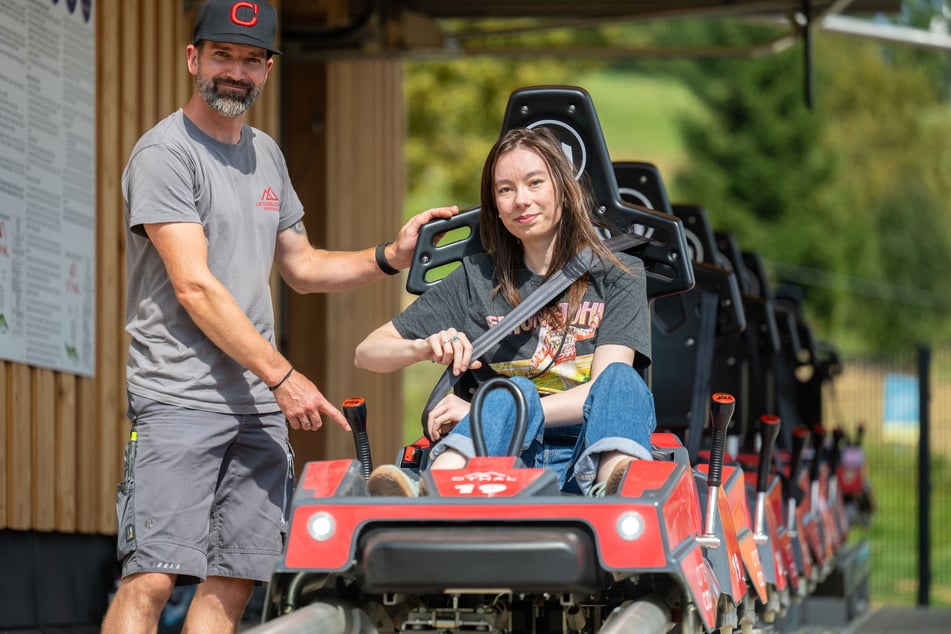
point(343, 138)
point(61, 436)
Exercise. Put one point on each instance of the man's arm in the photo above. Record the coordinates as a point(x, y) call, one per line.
point(211, 306)
point(310, 270)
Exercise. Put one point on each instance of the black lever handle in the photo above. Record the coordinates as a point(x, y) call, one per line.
point(835, 453)
point(355, 411)
point(721, 415)
point(818, 447)
point(768, 430)
point(800, 441)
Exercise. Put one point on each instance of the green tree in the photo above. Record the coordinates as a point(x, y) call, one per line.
point(846, 198)
point(886, 122)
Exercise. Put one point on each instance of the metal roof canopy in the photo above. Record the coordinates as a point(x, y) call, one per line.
point(458, 28)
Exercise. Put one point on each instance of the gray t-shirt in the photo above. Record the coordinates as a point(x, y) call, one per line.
point(614, 310)
point(242, 197)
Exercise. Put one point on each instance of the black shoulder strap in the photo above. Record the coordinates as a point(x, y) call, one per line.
point(550, 288)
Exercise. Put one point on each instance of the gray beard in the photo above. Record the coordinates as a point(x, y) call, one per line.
point(226, 105)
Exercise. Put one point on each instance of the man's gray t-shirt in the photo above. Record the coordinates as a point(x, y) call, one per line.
point(614, 310)
point(242, 197)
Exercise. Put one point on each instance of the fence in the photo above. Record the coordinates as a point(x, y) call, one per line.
point(907, 441)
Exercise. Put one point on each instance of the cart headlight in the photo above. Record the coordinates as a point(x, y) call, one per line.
point(321, 526)
point(630, 525)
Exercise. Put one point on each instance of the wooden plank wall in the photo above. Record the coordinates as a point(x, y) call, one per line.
point(61, 436)
point(364, 208)
point(344, 126)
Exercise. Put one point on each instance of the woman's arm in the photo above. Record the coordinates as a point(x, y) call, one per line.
point(385, 350)
point(564, 408)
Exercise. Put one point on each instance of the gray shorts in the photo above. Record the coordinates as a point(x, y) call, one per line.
point(203, 493)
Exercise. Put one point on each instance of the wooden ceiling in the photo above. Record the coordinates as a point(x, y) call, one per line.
point(449, 27)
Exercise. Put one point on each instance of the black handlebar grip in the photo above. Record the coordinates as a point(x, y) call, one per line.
point(768, 430)
point(800, 440)
point(520, 426)
point(818, 447)
point(355, 411)
point(835, 453)
point(721, 415)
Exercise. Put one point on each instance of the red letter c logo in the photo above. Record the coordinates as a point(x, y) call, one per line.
point(244, 5)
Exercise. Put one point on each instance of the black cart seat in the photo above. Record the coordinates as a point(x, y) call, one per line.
point(569, 112)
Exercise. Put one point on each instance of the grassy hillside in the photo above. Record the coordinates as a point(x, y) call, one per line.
point(640, 116)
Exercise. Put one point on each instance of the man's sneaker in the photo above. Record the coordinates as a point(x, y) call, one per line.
point(390, 481)
point(612, 484)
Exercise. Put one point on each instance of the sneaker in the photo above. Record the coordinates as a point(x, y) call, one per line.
point(613, 482)
point(390, 481)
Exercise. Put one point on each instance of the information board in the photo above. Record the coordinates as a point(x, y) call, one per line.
point(47, 183)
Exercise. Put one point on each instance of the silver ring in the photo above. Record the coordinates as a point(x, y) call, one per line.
point(445, 341)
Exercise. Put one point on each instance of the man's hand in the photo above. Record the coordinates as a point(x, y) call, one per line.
point(303, 404)
point(400, 253)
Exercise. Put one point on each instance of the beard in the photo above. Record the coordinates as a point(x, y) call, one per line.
point(229, 101)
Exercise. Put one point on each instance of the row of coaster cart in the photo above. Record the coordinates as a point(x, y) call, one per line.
point(747, 512)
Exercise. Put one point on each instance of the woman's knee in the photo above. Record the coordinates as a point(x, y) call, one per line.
point(622, 376)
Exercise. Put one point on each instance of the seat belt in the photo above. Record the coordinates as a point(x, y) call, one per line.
point(547, 290)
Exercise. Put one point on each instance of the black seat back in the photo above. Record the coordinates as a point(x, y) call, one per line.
point(569, 112)
point(685, 327)
point(730, 358)
point(763, 341)
point(800, 369)
point(640, 184)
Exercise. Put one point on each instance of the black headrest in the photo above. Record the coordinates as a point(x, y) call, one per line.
point(569, 112)
point(699, 233)
point(640, 184)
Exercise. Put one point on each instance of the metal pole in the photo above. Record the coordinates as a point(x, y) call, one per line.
point(807, 54)
point(924, 475)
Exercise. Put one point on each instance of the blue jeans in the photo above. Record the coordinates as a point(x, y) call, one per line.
point(618, 415)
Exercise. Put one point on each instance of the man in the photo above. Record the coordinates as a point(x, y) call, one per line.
point(210, 208)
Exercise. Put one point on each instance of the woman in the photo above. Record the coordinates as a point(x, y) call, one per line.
point(589, 412)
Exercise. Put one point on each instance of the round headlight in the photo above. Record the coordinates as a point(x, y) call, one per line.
point(321, 526)
point(630, 525)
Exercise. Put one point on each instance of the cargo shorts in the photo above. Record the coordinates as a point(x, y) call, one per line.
point(203, 493)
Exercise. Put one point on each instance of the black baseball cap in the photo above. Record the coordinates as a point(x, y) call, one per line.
point(251, 22)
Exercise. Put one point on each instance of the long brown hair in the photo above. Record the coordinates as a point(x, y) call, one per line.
point(576, 229)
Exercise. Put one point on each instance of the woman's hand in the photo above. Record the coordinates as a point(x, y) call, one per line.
point(450, 346)
point(445, 415)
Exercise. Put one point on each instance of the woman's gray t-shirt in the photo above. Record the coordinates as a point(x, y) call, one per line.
point(614, 310)
point(242, 197)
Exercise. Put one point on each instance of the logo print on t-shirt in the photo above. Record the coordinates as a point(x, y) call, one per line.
point(269, 200)
point(555, 364)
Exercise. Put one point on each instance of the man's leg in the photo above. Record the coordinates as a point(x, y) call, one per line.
point(138, 603)
point(218, 605)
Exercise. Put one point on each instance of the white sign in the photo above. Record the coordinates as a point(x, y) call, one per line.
point(47, 184)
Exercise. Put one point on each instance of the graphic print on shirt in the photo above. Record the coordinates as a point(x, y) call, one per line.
point(269, 200)
point(555, 365)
